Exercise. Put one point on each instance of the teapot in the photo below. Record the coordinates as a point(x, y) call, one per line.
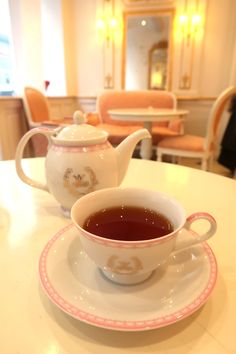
point(79, 160)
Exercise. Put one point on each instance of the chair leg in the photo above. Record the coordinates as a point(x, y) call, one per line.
point(210, 163)
point(204, 164)
point(159, 156)
point(178, 160)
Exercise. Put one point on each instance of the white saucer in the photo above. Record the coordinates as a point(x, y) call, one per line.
point(74, 284)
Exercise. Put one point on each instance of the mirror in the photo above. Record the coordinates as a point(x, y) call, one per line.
point(147, 50)
point(157, 66)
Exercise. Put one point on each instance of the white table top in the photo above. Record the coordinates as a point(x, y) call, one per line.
point(146, 114)
point(30, 323)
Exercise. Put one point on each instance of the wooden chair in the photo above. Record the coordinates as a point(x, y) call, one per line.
point(194, 146)
point(118, 130)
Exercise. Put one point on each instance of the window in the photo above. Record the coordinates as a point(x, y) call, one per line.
point(6, 67)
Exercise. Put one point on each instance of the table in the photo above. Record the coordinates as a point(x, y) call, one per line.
point(147, 116)
point(31, 324)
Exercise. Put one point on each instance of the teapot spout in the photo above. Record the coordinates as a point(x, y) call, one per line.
point(125, 150)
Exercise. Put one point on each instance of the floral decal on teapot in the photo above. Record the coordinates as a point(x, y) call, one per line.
point(121, 266)
point(81, 183)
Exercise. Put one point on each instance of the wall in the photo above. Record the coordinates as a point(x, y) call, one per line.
point(53, 46)
point(69, 20)
point(219, 54)
point(86, 48)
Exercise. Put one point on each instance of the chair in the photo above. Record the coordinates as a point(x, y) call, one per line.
point(36, 107)
point(38, 113)
point(194, 146)
point(37, 110)
point(116, 99)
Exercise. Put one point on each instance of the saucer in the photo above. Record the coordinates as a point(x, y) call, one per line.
point(74, 284)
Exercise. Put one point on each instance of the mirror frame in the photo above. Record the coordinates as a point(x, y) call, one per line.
point(158, 12)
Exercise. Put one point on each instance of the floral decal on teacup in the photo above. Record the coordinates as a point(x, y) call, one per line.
point(118, 265)
point(79, 184)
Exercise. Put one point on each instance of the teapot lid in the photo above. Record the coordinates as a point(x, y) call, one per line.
point(80, 133)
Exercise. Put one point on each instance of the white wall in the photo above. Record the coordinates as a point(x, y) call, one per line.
point(86, 49)
point(53, 46)
point(69, 18)
point(218, 47)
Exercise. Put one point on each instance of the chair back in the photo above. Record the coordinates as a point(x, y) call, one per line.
point(218, 108)
point(118, 99)
point(36, 106)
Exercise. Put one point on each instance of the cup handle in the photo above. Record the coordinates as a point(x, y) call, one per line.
point(184, 238)
point(19, 155)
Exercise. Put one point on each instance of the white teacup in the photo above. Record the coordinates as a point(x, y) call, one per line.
point(138, 258)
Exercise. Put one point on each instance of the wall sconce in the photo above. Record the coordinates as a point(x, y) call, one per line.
point(106, 28)
point(190, 25)
point(189, 31)
point(109, 35)
point(107, 24)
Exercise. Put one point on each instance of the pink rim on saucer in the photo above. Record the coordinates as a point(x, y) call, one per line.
point(90, 317)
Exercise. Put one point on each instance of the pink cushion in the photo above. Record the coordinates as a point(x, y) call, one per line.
point(184, 142)
point(117, 133)
point(92, 118)
point(176, 125)
point(159, 133)
point(133, 99)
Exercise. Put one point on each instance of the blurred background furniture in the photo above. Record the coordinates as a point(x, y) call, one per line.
point(148, 117)
point(38, 113)
point(36, 107)
point(193, 146)
point(119, 99)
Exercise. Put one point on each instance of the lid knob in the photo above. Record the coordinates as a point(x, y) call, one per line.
point(78, 117)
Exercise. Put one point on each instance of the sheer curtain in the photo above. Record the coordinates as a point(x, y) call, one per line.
point(6, 63)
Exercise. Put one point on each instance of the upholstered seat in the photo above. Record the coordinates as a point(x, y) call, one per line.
point(116, 99)
point(118, 132)
point(194, 146)
point(184, 142)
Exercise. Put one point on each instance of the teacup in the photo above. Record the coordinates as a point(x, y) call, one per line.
point(130, 262)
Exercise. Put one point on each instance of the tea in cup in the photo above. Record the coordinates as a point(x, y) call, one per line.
point(130, 232)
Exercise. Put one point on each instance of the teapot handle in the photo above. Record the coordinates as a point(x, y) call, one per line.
point(19, 155)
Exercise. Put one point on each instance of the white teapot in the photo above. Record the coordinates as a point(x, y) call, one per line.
point(79, 160)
